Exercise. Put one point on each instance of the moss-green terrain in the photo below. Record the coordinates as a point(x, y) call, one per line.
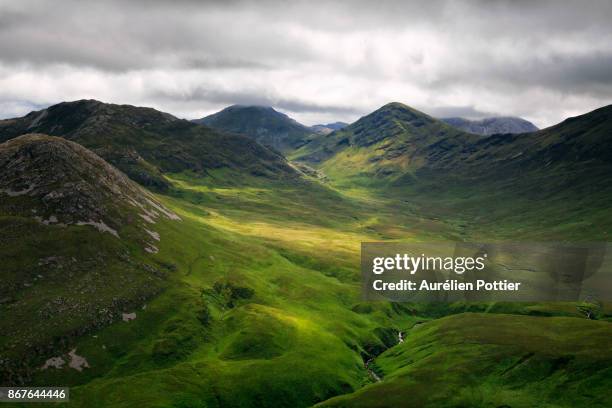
point(252, 298)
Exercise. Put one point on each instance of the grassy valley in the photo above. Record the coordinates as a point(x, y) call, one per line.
point(250, 294)
point(491, 360)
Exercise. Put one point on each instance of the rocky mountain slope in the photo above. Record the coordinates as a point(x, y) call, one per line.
point(145, 143)
point(77, 239)
point(490, 126)
point(261, 123)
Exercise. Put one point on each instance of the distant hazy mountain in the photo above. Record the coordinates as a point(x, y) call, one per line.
point(328, 128)
point(262, 123)
point(144, 142)
point(490, 126)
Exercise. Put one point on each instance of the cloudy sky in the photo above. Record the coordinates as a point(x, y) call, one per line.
point(314, 60)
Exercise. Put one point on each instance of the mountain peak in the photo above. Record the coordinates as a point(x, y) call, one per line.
point(66, 117)
point(66, 183)
point(262, 123)
point(262, 110)
point(390, 134)
point(400, 107)
point(390, 119)
point(395, 105)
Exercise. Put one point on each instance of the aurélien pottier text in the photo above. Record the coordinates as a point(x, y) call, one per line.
point(458, 265)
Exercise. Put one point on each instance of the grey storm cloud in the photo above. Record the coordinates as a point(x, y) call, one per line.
point(467, 112)
point(577, 73)
point(316, 60)
point(253, 98)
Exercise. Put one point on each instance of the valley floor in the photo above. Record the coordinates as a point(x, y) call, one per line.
point(263, 309)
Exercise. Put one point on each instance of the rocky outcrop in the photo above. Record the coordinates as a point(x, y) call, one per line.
point(59, 182)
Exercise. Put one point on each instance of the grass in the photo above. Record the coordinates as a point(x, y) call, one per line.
point(460, 361)
point(261, 308)
point(294, 341)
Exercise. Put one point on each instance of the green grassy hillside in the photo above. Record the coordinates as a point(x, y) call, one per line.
point(76, 240)
point(381, 146)
point(479, 360)
point(550, 184)
point(257, 311)
point(264, 310)
point(252, 299)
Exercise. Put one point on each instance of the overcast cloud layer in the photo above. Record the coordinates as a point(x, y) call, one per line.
point(314, 60)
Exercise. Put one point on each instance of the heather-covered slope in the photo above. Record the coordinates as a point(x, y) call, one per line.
point(397, 141)
point(557, 178)
point(509, 185)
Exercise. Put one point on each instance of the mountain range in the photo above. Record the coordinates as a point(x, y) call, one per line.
point(144, 143)
point(282, 133)
point(493, 125)
point(154, 261)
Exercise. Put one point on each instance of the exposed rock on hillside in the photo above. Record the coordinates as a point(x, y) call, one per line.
point(78, 244)
point(60, 182)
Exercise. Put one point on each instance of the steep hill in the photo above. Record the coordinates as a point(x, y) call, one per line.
point(549, 178)
point(399, 143)
point(490, 126)
point(580, 144)
point(145, 143)
point(256, 291)
point(261, 123)
point(556, 178)
point(76, 239)
point(385, 144)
